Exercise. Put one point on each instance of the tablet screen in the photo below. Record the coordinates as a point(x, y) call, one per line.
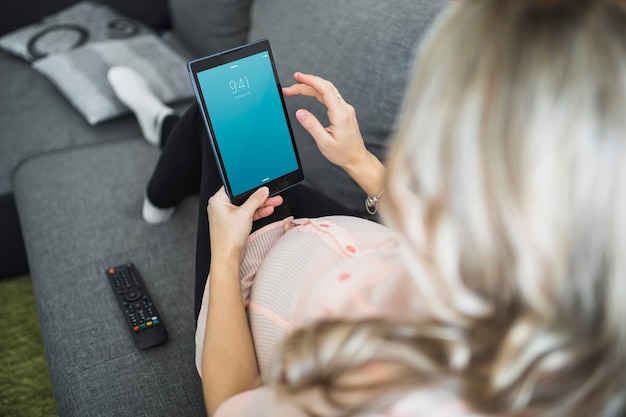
point(247, 121)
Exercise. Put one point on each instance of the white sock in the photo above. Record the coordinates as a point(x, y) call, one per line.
point(155, 215)
point(133, 90)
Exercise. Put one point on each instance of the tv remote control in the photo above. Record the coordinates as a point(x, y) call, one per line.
point(141, 314)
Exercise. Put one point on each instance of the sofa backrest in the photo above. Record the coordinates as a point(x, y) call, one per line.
point(210, 26)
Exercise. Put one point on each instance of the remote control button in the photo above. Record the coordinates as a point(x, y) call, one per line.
point(132, 295)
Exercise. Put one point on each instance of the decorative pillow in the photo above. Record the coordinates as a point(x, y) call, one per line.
point(80, 74)
point(81, 24)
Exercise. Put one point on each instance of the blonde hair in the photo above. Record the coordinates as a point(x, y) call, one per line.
point(508, 182)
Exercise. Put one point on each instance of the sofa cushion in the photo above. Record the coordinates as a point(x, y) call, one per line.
point(81, 214)
point(366, 47)
point(210, 26)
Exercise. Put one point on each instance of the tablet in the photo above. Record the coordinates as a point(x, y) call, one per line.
point(246, 118)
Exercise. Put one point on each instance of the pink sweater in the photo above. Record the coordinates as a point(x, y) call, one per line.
point(296, 272)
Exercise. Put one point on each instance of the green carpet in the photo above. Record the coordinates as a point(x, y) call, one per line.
point(25, 389)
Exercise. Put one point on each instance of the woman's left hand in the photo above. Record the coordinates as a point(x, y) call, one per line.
point(230, 225)
point(341, 142)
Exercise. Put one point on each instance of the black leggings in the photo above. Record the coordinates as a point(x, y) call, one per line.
point(187, 166)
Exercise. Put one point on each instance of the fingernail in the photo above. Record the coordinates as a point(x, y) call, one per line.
point(301, 115)
point(264, 191)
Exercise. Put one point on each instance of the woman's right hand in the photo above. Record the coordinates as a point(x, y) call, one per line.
point(341, 142)
point(230, 225)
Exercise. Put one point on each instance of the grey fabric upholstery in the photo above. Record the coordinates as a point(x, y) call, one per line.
point(79, 189)
point(80, 218)
point(210, 26)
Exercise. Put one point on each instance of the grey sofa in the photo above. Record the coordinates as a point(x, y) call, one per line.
point(78, 189)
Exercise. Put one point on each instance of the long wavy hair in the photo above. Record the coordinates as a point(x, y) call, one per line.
point(508, 183)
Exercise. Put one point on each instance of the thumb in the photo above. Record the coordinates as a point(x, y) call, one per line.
point(311, 124)
point(256, 200)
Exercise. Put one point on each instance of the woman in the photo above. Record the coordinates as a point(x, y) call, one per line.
point(500, 291)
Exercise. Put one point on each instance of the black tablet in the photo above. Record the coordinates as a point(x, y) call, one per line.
point(245, 114)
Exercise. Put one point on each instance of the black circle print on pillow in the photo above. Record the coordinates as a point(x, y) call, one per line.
point(57, 38)
point(121, 28)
